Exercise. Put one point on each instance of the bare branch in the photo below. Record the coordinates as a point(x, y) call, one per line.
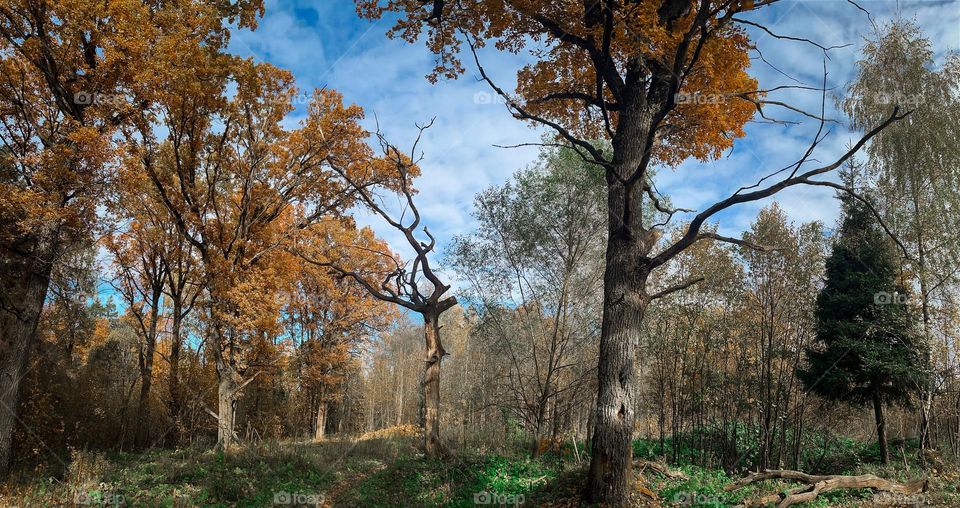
point(736, 241)
point(676, 287)
point(693, 229)
point(823, 48)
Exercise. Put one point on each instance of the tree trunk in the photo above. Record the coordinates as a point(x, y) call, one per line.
point(591, 414)
point(320, 433)
point(881, 426)
point(146, 373)
point(926, 391)
point(819, 484)
point(431, 386)
point(539, 420)
point(227, 389)
point(400, 391)
point(143, 408)
point(624, 301)
point(623, 306)
point(21, 303)
point(174, 375)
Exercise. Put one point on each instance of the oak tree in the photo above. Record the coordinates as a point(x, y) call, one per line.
point(333, 317)
point(72, 73)
point(664, 81)
point(239, 187)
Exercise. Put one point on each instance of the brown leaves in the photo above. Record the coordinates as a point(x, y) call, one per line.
point(74, 72)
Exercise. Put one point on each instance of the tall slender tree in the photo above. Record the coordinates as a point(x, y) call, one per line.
point(140, 279)
point(913, 167)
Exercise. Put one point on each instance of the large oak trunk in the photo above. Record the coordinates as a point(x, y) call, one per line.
point(624, 302)
point(24, 289)
point(431, 386)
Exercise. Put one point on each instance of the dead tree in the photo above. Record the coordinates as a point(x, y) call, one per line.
point(413, 285)
point(818, 484)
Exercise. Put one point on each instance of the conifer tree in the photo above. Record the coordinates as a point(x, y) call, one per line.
point(867, 350)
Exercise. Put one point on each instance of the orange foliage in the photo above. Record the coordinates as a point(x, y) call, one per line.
point(703, 123)
point(243, 190)
point(332, 317)
point(73, 72)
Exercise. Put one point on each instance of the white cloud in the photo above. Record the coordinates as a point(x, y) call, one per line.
point(324, 45)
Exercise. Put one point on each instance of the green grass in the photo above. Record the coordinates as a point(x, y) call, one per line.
point(380, 472)
point(189, 477)
point(416, 481)
point(388, 472)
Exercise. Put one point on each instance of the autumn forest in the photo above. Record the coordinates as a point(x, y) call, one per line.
point(717, 265)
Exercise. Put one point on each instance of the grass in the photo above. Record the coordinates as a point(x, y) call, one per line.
point(371, 472)
point(384, 471)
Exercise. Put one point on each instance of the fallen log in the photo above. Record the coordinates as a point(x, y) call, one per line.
point(818, 484)
point(660, 468)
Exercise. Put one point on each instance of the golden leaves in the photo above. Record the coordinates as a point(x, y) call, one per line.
point(570, 49)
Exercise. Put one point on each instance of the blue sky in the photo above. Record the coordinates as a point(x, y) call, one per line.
point(325, 44)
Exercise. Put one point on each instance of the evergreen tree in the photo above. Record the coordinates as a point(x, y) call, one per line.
point(867, 349)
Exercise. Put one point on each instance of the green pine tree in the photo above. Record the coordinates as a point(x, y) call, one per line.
point(867, 350)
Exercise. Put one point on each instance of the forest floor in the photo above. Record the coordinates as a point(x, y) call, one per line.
point(388, 471)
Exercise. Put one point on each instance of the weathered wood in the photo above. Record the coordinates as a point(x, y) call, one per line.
point(660, 468)
point(433, 447)
point(818, 484)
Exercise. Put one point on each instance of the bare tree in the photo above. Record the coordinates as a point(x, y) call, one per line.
point(413, 285)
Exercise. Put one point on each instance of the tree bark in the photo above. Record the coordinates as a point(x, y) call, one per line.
point(174, 374)
point(21, 303)
point(881, 426)
point(624, 301)
point(818, 484)
point(227, 388)
point(146, 372)
point(431, 386)
point(623, 307)
point(320, 432)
